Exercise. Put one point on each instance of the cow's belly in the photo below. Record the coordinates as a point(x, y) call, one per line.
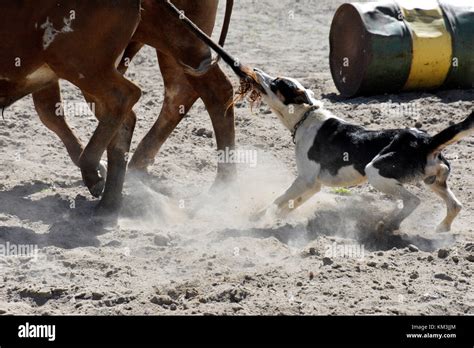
point(4, 102)
point(16, 87)
point(40, 77)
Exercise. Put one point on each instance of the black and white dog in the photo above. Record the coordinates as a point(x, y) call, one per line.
point(333, 152)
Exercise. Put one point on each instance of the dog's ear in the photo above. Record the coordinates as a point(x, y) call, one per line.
point(301, 98)
point(289, 92)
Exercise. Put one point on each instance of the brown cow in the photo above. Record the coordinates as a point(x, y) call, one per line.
point(80, 41)
point(175, 47)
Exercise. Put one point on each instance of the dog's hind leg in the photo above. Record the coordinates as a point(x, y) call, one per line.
point(395, 189)
point(453, 206)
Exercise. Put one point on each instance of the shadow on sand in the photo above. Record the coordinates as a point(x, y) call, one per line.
point(445, 96)
point(69, 227)
point(352, 219)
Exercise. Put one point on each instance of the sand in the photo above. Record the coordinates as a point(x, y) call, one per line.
point(179, 249)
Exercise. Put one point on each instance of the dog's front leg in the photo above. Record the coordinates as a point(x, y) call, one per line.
point(299, 192)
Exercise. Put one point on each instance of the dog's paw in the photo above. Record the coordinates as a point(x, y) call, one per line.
point(386, 227)
point(380, 227)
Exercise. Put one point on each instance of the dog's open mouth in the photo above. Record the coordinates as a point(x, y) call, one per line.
point(250, 90)
point(249, 86)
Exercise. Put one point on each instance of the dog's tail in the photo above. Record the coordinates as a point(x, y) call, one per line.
point(453, 134)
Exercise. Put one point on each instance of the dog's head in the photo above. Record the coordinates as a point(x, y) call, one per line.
point(285, 96)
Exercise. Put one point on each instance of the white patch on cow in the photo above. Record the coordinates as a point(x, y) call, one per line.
point(4, 78)
point(172, 93)
point(50, 32)
point(40, 76)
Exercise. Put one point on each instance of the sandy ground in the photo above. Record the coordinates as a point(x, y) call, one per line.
point(180, 250)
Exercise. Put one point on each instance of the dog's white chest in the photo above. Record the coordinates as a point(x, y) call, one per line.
point(311, 170)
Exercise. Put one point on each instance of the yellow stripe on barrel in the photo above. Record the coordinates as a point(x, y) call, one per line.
point(432, 44)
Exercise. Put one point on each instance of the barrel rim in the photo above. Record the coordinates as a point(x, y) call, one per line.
point(355, 90)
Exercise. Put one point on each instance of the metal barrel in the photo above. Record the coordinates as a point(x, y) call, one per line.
point(390, 46)
point(460, 16)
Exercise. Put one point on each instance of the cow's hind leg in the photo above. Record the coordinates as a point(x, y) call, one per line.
point(117, 158)
point(179, 98)
point(217, 93)
point(48, 105)
point(453, 206)
point(114, 98)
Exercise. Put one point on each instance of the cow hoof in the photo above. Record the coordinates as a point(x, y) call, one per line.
point(137, 170)
point(443, 228)
point(103, 169)
point(140, 165)
point(380, 228)
point(226, 175)
point(257, 216)
point(221, 183)
point(139, 174)
point(106, 213)
point(95, 179)
point(97, 189)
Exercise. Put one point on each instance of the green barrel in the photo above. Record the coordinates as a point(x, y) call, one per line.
point(460, 15)
point(370, 45)
point(390, 46)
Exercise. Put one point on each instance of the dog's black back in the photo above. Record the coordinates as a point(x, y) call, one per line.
point(405, 151)
point(339, 144)
point(405, 158)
